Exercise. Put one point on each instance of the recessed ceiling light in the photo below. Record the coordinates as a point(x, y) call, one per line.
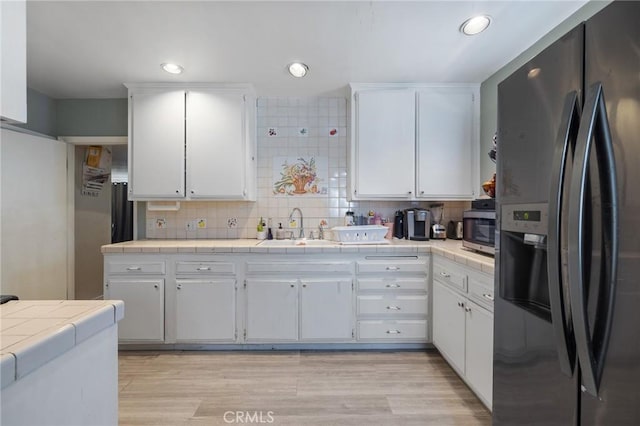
point(298, 69)
point(475, 25)
point(172, 68)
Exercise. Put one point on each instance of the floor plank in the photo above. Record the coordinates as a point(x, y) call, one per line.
point(294, 388)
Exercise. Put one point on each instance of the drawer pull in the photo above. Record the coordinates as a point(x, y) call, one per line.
point(393, 286)
point(393, 268)
point(467, 309)
point(487, 296)
point(179, 286)
point(134, 268)
point(461, 304)
point(204, 268)
point(393, 308)
point(393, 331)
point(445, 275)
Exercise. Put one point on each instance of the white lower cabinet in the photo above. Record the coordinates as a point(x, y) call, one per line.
point(205, 310)
point(449, 324)
point(462, 328)
point(144, 308)
point(272, 310)
point(479, 350)
point(299, 309)
point(326, 307)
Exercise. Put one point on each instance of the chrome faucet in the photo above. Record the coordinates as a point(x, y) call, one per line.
point(301, 220)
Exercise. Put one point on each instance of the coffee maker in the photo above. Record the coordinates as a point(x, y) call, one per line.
point(417, 223)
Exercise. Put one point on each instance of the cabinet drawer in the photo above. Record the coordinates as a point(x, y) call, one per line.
point(257, 267)
point(392, 305)
point(393, 266)
point(393, 330)
point(481, 289)
point(205, 268)
point(136, 268)
point(392, 284)
point(449, 273)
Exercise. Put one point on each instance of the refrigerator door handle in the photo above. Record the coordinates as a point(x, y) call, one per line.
point(594, 126)
point(563, 331)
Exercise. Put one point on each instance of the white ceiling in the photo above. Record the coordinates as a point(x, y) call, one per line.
point(87, 49)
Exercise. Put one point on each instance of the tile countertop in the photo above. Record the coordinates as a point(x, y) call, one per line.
point(34, 332)
point(451, 249)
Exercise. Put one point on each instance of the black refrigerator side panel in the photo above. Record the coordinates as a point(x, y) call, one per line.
point(612, 57)
point(528, 386)
point(530, 104)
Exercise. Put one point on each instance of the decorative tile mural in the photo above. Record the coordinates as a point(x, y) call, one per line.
point(300, 176)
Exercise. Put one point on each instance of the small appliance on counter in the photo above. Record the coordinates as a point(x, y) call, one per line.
point(454, 230)
point(398, 225)
point(480, 226)
point(438, 231)
point(417, 224)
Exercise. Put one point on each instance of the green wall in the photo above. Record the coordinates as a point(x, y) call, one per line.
point(91, 117)
point(489, 88)
point(75, 117)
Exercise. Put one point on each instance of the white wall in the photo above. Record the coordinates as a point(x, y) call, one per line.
point(33, 216)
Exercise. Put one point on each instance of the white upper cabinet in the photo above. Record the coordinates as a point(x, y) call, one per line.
point(13, 61)
point(216, 148)
point(191, 142)
point(156, 145)
point(447, 143)
point(383, 157)
point(414, 142)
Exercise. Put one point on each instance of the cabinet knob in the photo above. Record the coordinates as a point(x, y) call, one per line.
point(409, 192)
point(193, 192)
point(421, 192)
point(292, 285)
point(445, 275)
point(179, 286)
point(467, 309)
point(155, 286)
point(304, 285)
point(177, 191)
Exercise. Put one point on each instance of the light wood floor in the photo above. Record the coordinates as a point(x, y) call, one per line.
point(298, 388)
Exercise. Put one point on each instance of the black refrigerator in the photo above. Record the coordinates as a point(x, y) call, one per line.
point(567, 315)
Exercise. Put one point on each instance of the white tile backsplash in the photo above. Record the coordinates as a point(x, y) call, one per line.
point(287, 115)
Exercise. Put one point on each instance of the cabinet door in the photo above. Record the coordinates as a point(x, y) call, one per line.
point(205, 310)
point(479, 351)
point(326, 309)
point(143, 308)
point(385, 140)
point(447, 134)
point(156, 145)
point(272, 310)
point(13, 60)
point(448, 325)
point(216, 145)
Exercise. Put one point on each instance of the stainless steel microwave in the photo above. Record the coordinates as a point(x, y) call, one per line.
point(479, 230)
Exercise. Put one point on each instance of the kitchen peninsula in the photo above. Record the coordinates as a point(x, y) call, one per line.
point(59, 362)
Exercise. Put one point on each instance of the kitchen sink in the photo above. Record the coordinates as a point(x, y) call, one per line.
point(299, 242)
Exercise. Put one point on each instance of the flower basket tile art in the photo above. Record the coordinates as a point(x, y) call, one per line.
point(300, 176)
